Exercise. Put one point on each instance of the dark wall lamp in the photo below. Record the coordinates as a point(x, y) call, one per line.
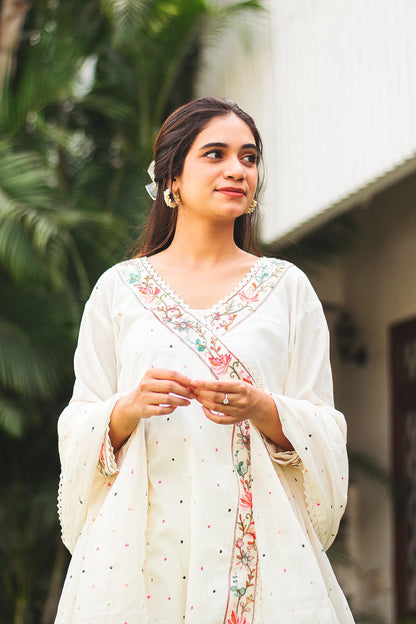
point(346, 340)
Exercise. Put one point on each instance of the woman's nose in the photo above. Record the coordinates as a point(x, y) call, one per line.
point(234, 170)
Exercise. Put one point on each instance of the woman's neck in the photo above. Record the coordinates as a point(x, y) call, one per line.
point(204, 245)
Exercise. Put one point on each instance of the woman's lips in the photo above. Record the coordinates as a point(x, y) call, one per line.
point(231, 192)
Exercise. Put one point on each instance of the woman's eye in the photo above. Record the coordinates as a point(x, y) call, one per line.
point(251, 158)
point(213, 154)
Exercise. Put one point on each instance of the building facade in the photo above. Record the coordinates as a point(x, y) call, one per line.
point(332, 88)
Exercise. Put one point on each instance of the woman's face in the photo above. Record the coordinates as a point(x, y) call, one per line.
point(219, 177)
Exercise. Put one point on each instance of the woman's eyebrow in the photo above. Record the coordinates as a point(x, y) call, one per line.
point(219, 144)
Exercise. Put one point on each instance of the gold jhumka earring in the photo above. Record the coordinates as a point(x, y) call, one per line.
point(171, 199)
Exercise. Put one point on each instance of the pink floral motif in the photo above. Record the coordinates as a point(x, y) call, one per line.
point(244, 438)
point(244, 559)
point(236, 619)
point(230, 320)
point(173, 312)
point(148, 292)
point(246, 499)
point(220, 364)
point(251, 543)
point(250, 294)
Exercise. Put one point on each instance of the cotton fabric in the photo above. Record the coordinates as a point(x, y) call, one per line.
point(152, 540)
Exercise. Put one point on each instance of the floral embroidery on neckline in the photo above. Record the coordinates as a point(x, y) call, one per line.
point(201, 311)
point(236, 306)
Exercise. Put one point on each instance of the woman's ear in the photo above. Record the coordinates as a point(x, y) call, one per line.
point(174, 185)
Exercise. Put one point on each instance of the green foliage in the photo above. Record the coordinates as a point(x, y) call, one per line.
point(92, 82)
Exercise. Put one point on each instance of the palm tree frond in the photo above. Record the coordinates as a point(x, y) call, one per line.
point(14, 415)
point(124, 15)
point(31, 246)
point(112, 107)
point(27, 368)
point(25, 178)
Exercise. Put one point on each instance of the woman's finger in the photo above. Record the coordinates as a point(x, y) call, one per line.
point(214, 385)
point(219, 407)
point(158, 410)
point(220, 418)
point(219, 398)
point(215, 390)
point(166, 386)
point(169, 375)
point(159, 398)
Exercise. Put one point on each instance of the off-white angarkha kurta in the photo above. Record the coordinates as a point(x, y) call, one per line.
point(193, 521)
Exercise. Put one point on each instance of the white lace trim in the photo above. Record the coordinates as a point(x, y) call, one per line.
point(201, 311)
point(293, 459)
point(311, 508)
point(60, 507)
point(107, 463)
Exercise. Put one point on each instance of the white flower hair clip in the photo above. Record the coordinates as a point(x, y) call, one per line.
point(151, 188)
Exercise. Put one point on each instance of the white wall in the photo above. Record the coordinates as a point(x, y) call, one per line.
point(377, 283)
point(331, 86)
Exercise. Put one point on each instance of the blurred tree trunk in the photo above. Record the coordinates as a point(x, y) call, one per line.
point(12, 17)
point(55, 584)
point(20, 609)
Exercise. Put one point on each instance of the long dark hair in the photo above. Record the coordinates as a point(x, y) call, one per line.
point(172, 145)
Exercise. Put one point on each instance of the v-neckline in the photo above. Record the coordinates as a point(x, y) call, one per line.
point(156, 296)
point(201, 311)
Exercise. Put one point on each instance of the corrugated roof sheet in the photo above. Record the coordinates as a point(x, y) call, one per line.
point(332, 86)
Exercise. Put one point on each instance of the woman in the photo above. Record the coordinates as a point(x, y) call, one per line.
point(203, 464)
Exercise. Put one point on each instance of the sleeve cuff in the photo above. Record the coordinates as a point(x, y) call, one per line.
point(284, 458)
point(107, 463)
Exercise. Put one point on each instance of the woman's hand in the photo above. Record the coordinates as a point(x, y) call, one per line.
point(159, 393)
point(242, 401)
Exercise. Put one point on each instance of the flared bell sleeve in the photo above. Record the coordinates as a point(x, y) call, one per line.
point(83, 425)
point(309, 420)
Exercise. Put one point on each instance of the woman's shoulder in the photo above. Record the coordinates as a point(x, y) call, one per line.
point(293, 280)
point(290, 271)
point(106, 280)
point(107, 285)
point(111, 276)
point(276, 262)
